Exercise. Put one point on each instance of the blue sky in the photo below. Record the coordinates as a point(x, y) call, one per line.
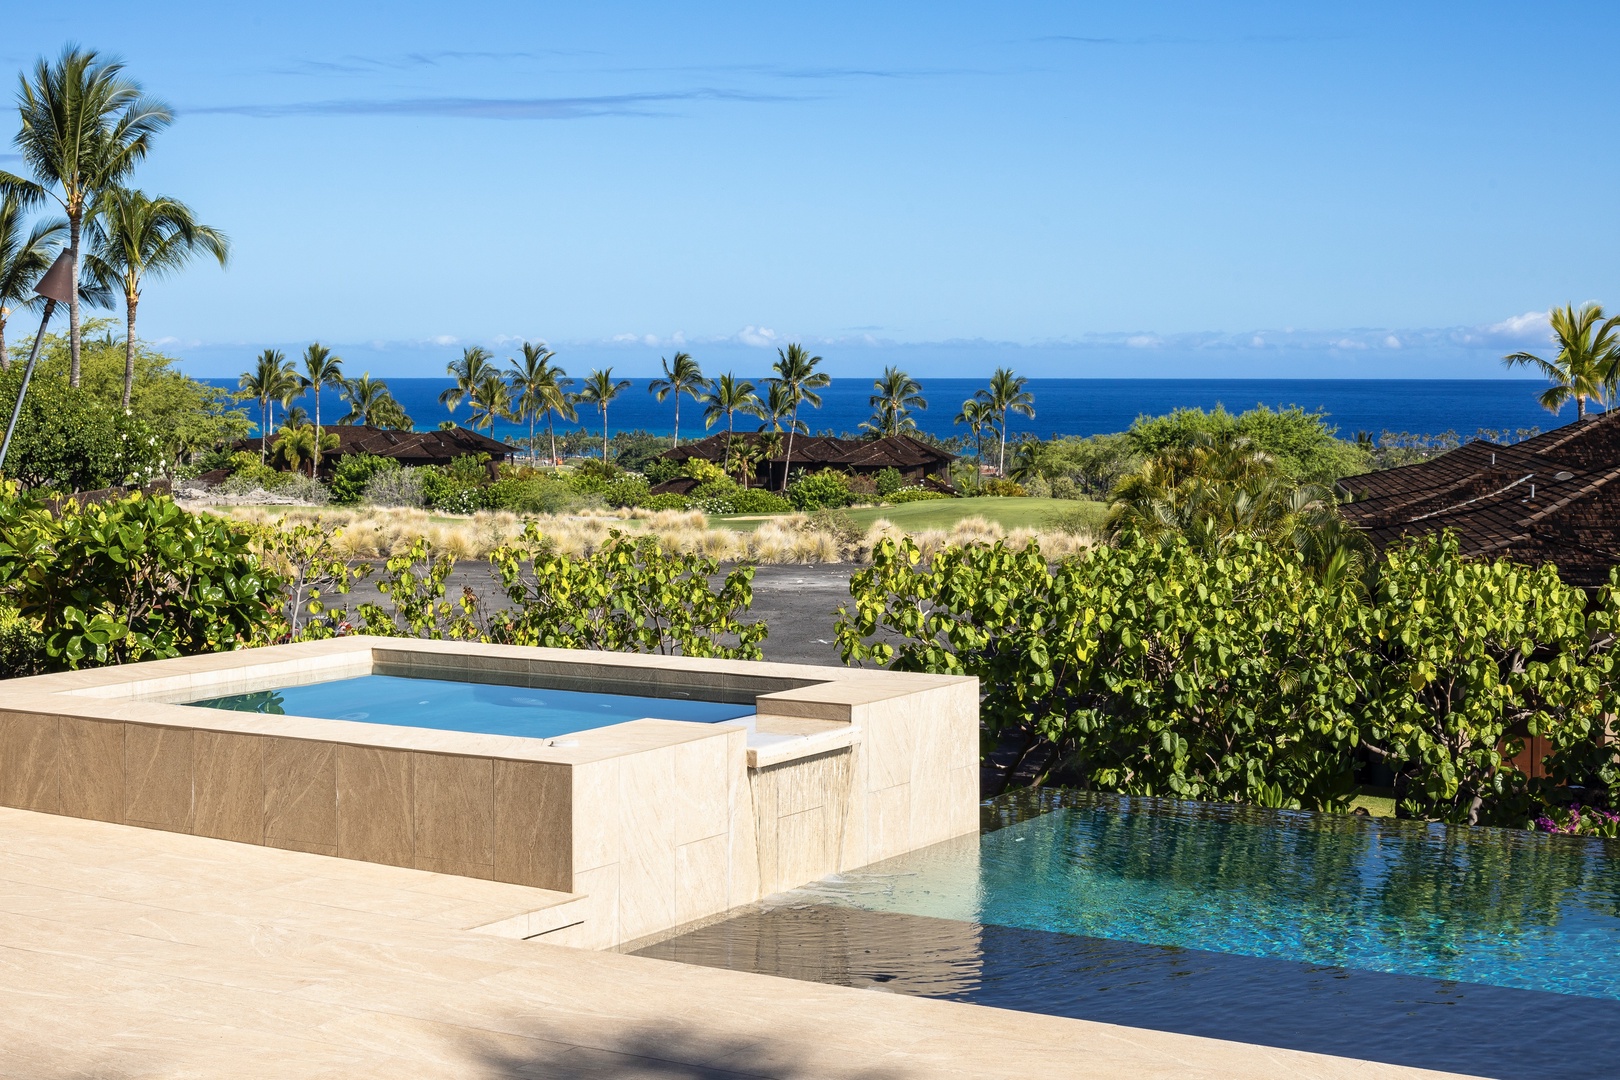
point(1077, 189)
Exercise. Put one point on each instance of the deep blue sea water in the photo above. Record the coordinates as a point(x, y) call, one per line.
point(1080, 406)
point(1421, 945)
point(488, 708)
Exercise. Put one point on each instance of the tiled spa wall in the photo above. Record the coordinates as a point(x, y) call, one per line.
point(656, 823)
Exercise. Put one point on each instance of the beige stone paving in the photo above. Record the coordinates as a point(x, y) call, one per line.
point(128, 952)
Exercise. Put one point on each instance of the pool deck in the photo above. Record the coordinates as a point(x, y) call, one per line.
point(131, 952)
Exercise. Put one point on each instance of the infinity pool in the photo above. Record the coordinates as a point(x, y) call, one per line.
point(486, 708)
point(1484, 951)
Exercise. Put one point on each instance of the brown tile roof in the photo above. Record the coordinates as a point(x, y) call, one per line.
point(410, 447)
point(1554, 498)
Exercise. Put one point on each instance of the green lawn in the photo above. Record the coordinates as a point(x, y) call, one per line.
point(1008, 513)
point(1379, 802)
point(943, 513)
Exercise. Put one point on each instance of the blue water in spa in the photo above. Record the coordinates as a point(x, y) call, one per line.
point(484, 708)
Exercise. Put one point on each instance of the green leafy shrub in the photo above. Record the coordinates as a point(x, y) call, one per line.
point(888, 481)
point(462, 487)
point(22, 646)
point(1037, 487)
point(627, 490)
point(821, 490)
point(669, 500)
point(1463, 659)
point(1007, 489)
point(1302, 443)
point(1162, 669)
point(758, 501)
point(351, 473)
point(71, 440)
point(635, 450)
point(630, 596)
point(149, 581)
point(703, 471)
point(660, 470)
point(535, 493)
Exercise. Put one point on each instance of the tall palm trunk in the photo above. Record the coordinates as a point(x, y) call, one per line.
point(729, 433)
point(551, 435)
point(130, 301)
point(787, 459)
point(604, 434)
point(1580, 408)
point(5, 358)
point(75, 221)
point(677, 418)
point(315, 460)
point(534, 451)
point(264, 430)
point(1001, 457)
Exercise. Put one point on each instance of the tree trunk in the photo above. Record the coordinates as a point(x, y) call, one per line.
point(130, 302)
point(1580, 408)
point(552, 435)
point(75, 221)
point(604, 434)
point(315, 460)
point(729, 435)
point(5, 358)
point(787, 459)
point(677, 419)
point(534, 453)
point(264, 426)
point(1001, 458)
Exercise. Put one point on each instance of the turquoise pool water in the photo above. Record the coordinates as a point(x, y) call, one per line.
point(486, 708)
point(1496, 906)
point(1484, 951)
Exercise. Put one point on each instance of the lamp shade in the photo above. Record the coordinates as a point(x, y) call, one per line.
point(57, 282)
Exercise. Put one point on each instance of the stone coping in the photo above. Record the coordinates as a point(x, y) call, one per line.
point(800, 710)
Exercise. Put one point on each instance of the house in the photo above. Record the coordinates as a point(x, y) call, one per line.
point(1554, 498)
point(917, 462)
point(413, 448)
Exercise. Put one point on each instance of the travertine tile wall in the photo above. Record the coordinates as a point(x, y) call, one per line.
point(666, 825)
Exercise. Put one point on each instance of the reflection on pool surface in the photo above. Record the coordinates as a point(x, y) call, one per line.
point(1397, 941)
point(486, 708)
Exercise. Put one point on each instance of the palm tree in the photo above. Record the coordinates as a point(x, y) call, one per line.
point(84, 127)
point(134, 236)
point(1007, 394)
point(476, 362)
point(24, 256)
point(490, 400)
point(321, 368)
point(366, 397)
point(897, 394)
point(297, 444)
point(600, 390)
point(796, 371)
point(681, 376)
point(541, 388)
point(744, 455)
point(1588, 360)
point(727, 396)
point(271, 380)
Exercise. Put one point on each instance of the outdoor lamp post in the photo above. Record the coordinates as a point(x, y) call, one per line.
point(56, 286)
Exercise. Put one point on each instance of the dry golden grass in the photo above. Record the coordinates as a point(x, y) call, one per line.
point(377, 532)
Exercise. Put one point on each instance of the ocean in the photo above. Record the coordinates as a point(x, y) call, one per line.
point(1071, 406)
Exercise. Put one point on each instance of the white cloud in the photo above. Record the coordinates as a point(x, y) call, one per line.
point(1144, 341)
point(445, 339)
point(1391, 341)
point(758, 336)
point(1257, 342)
point(1528, 324)
point(624, 339)
point(1349, 343)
